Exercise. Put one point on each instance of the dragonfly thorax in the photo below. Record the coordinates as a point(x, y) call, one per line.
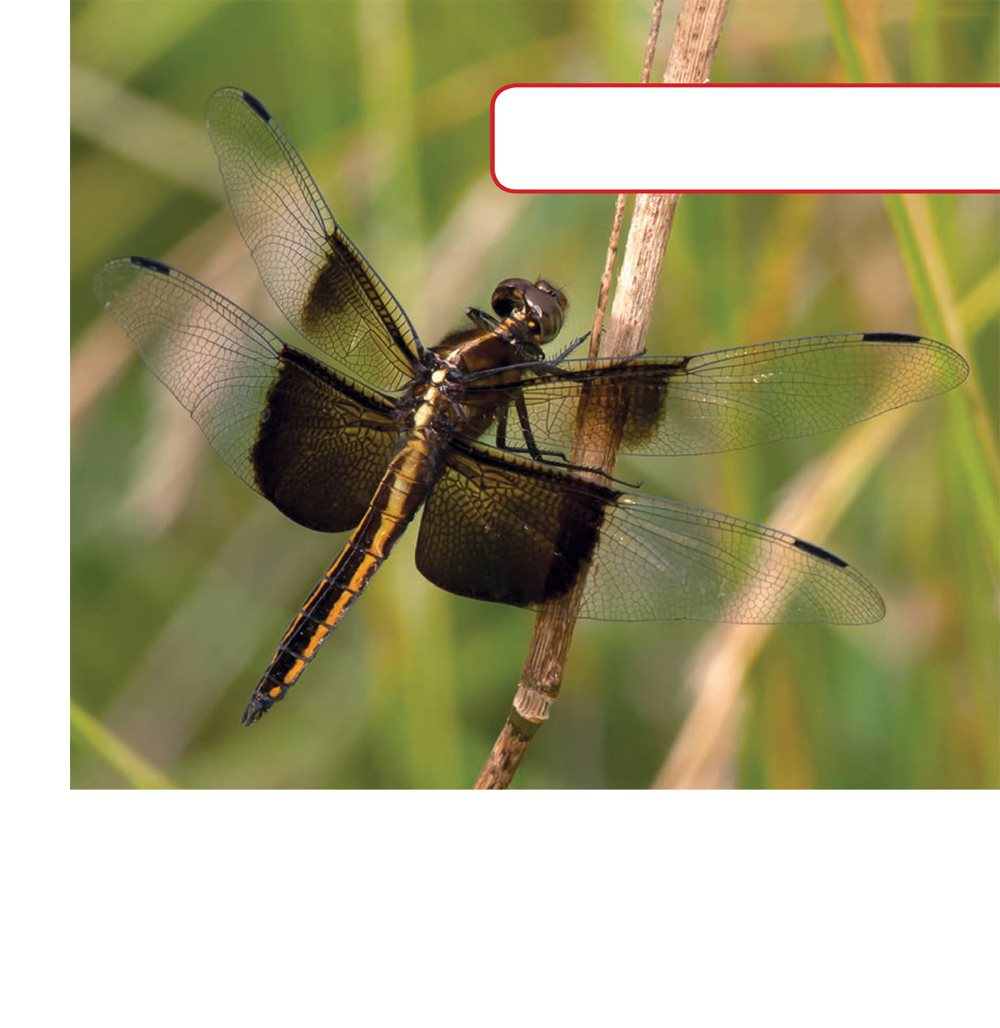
point(530, 314)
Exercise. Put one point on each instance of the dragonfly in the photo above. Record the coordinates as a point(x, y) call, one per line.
point(476, 429)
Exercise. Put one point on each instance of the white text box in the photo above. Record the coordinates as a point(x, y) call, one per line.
point(716, 138)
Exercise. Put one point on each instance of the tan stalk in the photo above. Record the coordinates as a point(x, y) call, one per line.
point(696, 37)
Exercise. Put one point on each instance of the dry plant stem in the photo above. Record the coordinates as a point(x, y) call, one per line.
point(655, 17)
point(616, 225)
point(699, 26)
point(597, 327)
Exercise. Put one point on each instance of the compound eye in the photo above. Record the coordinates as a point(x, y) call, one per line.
point(509, 297)
point(548, 306)
point(539, 306)
point(548, 287)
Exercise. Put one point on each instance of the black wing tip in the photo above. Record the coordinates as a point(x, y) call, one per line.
point(868, 611)
point(818, 551)
point(255, 105)
point(234, 92)
point(150, 264)
point(955, 368)
point(891, 337)
point(108, 282)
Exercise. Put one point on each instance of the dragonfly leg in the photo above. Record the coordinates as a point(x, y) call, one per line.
point(563, 354)
point(531, 449)
point(529, 437)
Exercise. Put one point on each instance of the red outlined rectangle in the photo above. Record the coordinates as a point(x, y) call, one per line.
point(746, 138)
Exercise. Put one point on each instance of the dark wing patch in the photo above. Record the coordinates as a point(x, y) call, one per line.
point(499, 527)
point(312, 442)
point(320, 450)
point(731, 399)
point(515, 534)
point(317, 276)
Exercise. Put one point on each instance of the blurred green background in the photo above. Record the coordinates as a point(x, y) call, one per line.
point(183, 579)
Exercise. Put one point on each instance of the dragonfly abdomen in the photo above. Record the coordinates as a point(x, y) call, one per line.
point(398, 497)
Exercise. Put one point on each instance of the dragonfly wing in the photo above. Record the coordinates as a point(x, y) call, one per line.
point(308, 439)
point(502, 528)
point(730, 399)
point(318, 278)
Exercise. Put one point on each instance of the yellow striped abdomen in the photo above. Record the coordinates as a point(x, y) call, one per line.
point(402, 490)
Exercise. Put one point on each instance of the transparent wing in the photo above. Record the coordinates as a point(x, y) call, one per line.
point(658, 559)
point(316, 275)
point(311, 441)
point(728, 399)
point(502, 528)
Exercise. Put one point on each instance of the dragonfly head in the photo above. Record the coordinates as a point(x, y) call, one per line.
point(538, 307)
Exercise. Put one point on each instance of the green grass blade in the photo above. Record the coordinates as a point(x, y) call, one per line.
point(971, 434)
point(134, 769)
